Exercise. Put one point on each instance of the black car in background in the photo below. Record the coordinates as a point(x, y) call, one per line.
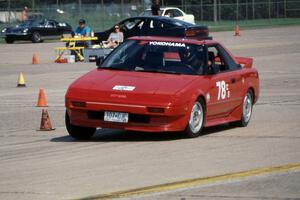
point(36, 30)
point(156, 26)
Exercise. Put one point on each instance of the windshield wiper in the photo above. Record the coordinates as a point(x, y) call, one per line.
point(157, 71)
point(115, 68)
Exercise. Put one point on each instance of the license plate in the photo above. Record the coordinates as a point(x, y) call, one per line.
point(116, 117)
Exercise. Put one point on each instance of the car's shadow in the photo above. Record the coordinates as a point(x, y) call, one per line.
point(110, 135)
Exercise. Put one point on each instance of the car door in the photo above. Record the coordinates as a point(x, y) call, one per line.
point(155, 27)
point(50, 29)
point(63, 28)
point(39, 27)
point(59, 28)
point(225, 86)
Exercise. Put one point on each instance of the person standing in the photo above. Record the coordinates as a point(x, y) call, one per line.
point(155, 8)
point(25, 14)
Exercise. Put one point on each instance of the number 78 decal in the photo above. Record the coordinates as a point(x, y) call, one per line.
point(223, 90)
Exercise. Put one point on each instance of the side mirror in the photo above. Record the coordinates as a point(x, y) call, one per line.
point(213, 69)
point(99, 61)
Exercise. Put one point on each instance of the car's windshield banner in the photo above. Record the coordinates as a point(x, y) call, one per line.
point(170, 44)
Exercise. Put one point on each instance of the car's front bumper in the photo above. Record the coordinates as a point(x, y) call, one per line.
point(18, 36)
point(174, 118)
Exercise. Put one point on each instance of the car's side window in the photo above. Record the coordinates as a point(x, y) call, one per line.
point(130, 24)
point(230, 64)
point(169, 13)
point(50, 24)
point(216, 58)
point(155, 24)
point(177, 13)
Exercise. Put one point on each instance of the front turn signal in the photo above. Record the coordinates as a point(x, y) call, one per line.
point(156, 110)
point(78, 104)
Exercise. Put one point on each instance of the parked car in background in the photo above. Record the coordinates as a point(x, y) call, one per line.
point(36, 30)
point(156, 26)
point(172, 12)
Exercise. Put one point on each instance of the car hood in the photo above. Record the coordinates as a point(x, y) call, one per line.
point(16, 29)
point(130, 87)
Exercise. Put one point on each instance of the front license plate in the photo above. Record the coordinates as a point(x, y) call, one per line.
point(116, 117)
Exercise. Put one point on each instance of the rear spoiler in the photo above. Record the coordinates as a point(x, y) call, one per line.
point(198, 32)
point(244, 61)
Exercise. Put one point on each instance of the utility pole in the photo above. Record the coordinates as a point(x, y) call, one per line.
point(277, 9)
point(215, 11)
point(33, 5)
point(246, 4)
point(253, 9)
point(182, 4)
point(237, 11)
point(122, 8)
point(285, 8)
point(201, 5)
point(102, 13)
point(219, 10)
point(8, 8)
point(269, 8)
point(79, 6)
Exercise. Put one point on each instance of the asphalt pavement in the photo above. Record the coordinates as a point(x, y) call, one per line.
point(51, 165)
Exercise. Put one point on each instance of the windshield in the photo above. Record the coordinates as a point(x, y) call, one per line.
point(30, 23)
point(25, 23)
point(158, 57)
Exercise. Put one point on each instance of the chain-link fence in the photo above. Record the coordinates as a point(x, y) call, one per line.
point(103, 14)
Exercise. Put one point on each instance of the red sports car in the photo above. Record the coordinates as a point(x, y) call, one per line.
point(157, 84)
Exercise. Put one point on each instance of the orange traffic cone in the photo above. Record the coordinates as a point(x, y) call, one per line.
point(21, 80)
point(45, 121)
point(42, 99)
point(237, 30)
point(34, 59)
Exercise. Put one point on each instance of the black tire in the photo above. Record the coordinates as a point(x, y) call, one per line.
point(192, 131)
point(36, 37)
point(246, 112)
point(78, 132)
point(9, 40)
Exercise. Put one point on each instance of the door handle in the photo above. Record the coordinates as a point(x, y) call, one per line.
point(233, 80)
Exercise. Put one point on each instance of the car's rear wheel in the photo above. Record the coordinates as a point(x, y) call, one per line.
point(9, 40)
point(196, 120)
point(247, 110)
point(36, 37)
point(78, 132)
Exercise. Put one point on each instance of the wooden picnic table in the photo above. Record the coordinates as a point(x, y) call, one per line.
point(78, 39)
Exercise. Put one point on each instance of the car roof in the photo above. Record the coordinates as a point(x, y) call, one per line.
point(163, 19)
point(163, 8)
point(173, 39)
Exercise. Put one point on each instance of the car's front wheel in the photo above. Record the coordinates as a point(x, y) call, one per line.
point(36, 37)
point(9, 40)
point(196, 120)
point(78, 132)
